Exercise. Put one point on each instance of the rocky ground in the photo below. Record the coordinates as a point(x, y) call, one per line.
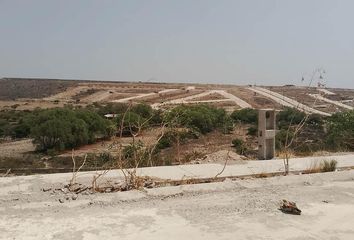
point(241, 209)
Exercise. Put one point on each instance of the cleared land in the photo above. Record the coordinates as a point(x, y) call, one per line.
point(28, 94)
point(247, 209)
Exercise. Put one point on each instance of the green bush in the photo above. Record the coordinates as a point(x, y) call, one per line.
point(143, 110)
point(239, 146)
point(202, 118)
point(130, 123)
point(252, 131)
point(289, 116)
point(245, 115)
point(116, 108)
point(63, 128)
point(281, 138)
point(170, 138)
point(340, 131)
point(12, 124)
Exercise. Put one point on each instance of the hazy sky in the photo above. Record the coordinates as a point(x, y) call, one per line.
point(214, 41)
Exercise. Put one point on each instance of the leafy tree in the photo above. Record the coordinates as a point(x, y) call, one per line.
point(63, 128)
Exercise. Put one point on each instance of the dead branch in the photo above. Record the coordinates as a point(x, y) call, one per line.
point(75, 172)
point(223, 169)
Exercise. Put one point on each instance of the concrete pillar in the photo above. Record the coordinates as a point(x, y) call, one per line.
point(266, 133)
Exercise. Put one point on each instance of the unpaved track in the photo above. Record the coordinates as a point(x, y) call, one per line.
point(144, 95)
point(325, 91)
point(228, 96)
point(337, 103)
point(67, 95)
point(242, 209)
point(285, 101)
point(97, 97)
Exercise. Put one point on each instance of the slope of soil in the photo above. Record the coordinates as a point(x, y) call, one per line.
point(14, 88)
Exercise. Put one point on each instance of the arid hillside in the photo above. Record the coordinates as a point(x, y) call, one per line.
point(15, 88)
point(27, 94)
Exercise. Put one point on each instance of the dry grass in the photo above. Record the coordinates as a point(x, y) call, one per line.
point(322, 166)
point(283, 154)
point(315, 167)
point(328, 166)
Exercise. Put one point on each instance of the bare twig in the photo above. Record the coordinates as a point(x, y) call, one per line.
point(223, 169)
point(75, 172)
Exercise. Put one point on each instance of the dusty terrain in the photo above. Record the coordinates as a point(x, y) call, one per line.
point(12, 88)
point(240, 209)
point(16, 148)
point(27, 94)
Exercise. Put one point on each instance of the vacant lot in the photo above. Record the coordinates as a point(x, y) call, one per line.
point(242, 209)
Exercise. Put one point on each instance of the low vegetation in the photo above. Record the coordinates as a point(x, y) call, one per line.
point(58, 129)
point(246, 115)
point(328, 166)
point(239, 146)
point(201, 118)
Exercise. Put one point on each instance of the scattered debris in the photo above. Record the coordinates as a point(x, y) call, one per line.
point(46, 189)
point(289, 207)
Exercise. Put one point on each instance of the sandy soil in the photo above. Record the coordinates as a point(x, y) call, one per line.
point(238, 96)
point(29, 104)
point(242, 209)
point(16, 148)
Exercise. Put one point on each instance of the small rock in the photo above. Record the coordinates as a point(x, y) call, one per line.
point(289, 207)
point(61, 200)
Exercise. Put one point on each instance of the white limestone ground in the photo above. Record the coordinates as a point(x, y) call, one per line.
point(337, 103)
point(285, 101)
point(228, 97)
point(143, 95)
point(242, 209)
point(325, 91)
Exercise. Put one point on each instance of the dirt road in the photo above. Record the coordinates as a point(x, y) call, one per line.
point(144, 95)
point(337, 103)
point(228, 97)
point(285, 101)
point(242, 209)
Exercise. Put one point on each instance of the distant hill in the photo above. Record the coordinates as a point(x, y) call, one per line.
point(14, 88)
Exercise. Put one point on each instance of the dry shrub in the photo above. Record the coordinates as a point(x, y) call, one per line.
point(323, 166)
point(286, 153)
point(328, 165)
point(314, 167)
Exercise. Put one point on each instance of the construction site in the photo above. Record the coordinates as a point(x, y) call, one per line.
point(179, 119)
point(213, 185)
